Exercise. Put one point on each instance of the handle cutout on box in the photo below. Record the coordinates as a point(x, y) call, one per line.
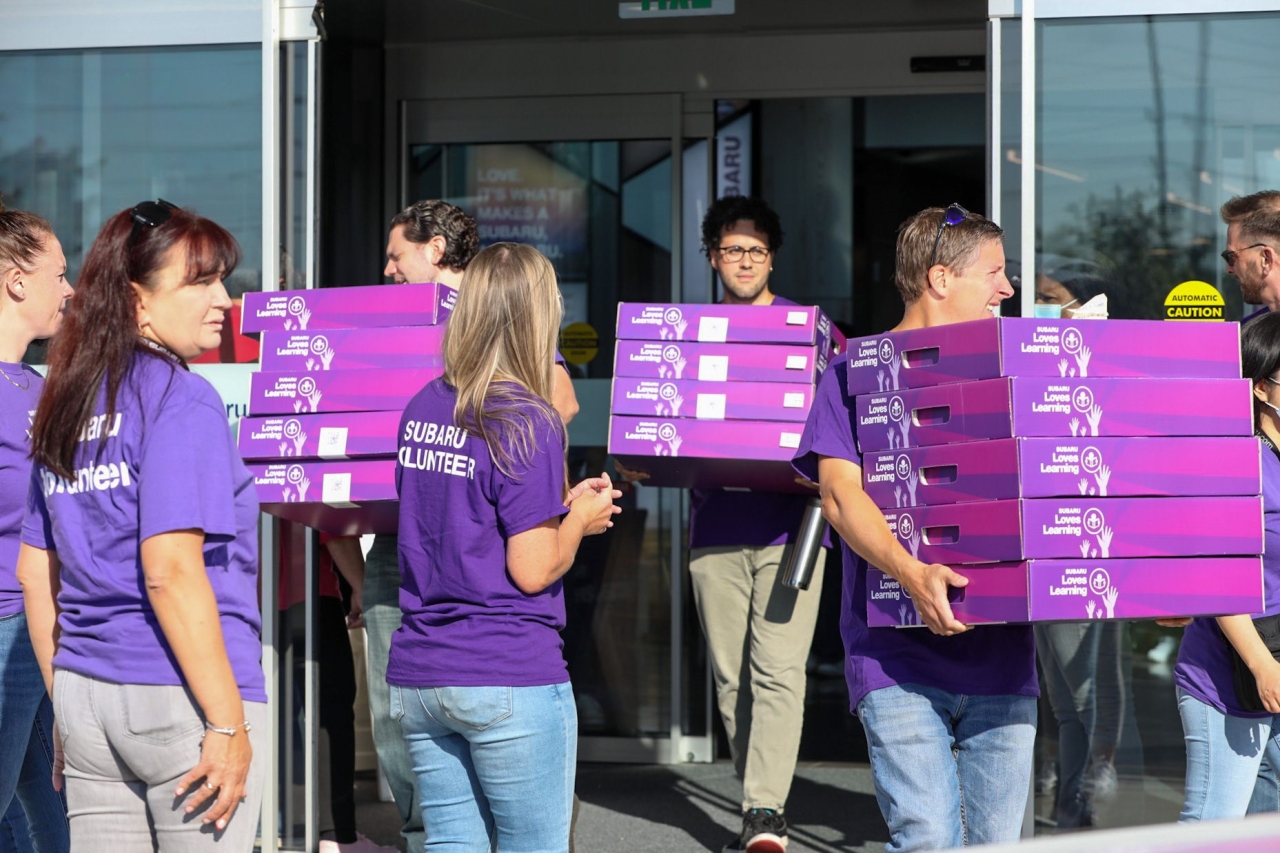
point(943, 534)
point(955, 594)
point(923, 357)
point(934, 475)
point(931, 416)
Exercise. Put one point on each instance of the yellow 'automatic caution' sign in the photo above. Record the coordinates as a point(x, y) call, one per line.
point(1194, 300)
point(579, 343)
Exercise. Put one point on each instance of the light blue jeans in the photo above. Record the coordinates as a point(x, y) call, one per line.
point(950, 769)
point(495, 765)
point(381, 620)
point(1231, 762)
point(35, 815)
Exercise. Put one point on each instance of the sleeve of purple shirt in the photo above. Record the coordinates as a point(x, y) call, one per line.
point(829, 429)
point(36, 528)
point(185, 475)
point(535, 494)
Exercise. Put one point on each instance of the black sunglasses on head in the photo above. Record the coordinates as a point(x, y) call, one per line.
point(954, 215)
point(152, 214)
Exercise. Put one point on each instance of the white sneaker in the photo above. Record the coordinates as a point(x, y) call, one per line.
point(362, 844)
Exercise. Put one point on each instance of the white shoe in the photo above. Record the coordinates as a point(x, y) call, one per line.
point(362, 844)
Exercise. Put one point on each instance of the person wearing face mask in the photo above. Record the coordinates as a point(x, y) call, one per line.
point(1227, 675)
point(139, 558)
point(949, 713)
point(33, 290)
point(1070, 290)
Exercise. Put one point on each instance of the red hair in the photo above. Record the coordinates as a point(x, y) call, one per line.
point(100, 333)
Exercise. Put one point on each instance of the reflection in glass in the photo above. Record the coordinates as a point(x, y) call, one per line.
point(1145, 127)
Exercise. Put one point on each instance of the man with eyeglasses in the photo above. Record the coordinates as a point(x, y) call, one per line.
point(758, 631)
point(949, 713)
point(1252, 256)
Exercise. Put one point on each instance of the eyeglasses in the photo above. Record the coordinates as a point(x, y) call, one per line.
point(954, 215)
point(733, 254)
point(1230, 257)
point(152, 214)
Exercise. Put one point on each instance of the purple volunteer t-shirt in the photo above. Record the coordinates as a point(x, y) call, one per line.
point(719, 518)
point(465, 623)
point(1204, 662)
point(987, 661)
point(164, 462)
point(18, 395)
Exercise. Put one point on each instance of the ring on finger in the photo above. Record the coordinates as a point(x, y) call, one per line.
point(209, 785)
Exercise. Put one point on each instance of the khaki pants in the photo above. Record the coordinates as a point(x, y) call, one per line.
point(758, 635)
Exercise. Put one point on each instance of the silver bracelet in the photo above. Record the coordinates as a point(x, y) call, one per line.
point(229, 732)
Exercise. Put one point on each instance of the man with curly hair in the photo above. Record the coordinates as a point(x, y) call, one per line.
point(758, 631)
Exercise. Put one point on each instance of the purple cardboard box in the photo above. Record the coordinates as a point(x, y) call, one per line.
point(386, 390)
point(336, 483)
point(717, 401)
point(719, 362)
point(347, 308)
point(1062, 467)
point(1092, 528)
point(353, 349)
point(1066, 349)
point(1076, 591)
point(1051, 408)
point(344, 498)
point(743, 324)
point(687, 453)
point(341, 435)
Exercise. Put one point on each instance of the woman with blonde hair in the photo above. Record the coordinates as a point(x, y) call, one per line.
point(33, 290)
point(487, 529)
point(139, 560)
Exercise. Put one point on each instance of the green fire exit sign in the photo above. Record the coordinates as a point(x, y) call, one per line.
point(674, 8)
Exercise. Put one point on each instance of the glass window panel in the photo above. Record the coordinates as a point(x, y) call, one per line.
point(1145, 127)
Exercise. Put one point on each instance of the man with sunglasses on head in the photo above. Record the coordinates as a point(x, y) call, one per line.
point(1253, 247)
point(949, 713)
point(758, 631)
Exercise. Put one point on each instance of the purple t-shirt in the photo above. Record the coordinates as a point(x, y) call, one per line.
point(17, 408)
point(465, 623)
point(987, 661)
point(1204, 662)
point(719, 518)
point(165, 462)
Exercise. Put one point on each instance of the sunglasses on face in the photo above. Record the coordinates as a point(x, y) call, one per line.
point(151, 214)
point(954, 215)
point(1230, 256)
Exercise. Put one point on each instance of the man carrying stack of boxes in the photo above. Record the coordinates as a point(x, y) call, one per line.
point(698, 390)
point(1042, 459)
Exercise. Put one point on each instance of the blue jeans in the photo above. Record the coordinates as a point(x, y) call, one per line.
point(950, 769)
point(1230, 762)
point(381, 619)
point(35, 815)
point(495, 765)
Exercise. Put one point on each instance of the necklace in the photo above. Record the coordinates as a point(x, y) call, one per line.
point(25, 376)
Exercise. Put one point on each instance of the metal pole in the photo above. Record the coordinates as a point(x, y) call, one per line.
point(1028, 157)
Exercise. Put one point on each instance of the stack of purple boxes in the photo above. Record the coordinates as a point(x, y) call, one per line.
point(338, 367)
point(1071, 470)
point(699, 390)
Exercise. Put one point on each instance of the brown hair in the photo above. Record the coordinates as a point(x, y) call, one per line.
point(100, 334)
point(1258, 215)
point(22, 238)
point(958, 247)
point(423, 220)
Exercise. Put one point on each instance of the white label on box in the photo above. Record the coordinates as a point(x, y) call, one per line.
point(713, 368)
point(789, 439)
point(333, 443)
point(797, 362)
point(797, 318)
point(337, 488)
point(793, 400)
point(713, 330)
point(711, 407)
